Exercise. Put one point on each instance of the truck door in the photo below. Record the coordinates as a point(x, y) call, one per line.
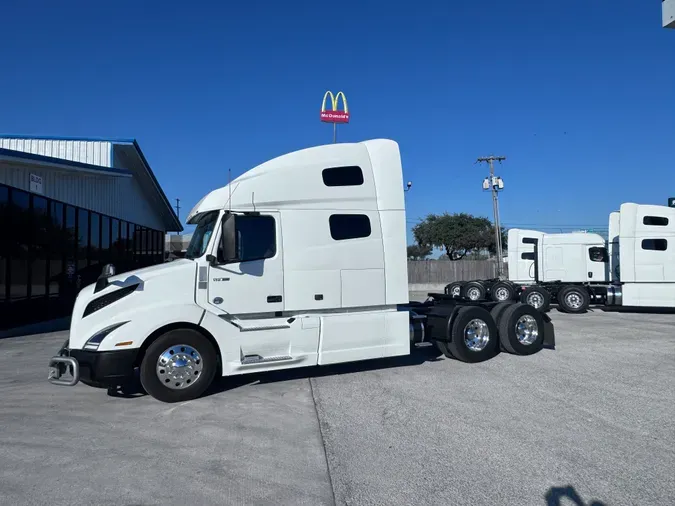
point(249, 295)
point(597, 263)
point(256, 283)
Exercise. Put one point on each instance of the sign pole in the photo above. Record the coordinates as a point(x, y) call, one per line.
point(334, 133)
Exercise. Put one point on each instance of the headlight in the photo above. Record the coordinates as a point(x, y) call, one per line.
point(95, 341)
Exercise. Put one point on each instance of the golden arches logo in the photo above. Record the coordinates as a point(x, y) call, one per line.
point(334, 115)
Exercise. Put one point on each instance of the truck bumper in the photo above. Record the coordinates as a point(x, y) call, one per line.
point(97, 368)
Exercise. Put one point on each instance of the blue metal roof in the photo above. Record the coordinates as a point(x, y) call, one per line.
point(131, 142)
point(56, 138)
point(60, 161)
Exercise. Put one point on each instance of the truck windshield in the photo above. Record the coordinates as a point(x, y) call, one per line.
point(202, 234)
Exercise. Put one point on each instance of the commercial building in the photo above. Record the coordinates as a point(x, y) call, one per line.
point(68, 207)
point(668, 7)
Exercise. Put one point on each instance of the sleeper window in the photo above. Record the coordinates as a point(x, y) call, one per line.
point(655, 244)
point(349, 226)
point(343, 176)
point(659, 221)
point(527, 256)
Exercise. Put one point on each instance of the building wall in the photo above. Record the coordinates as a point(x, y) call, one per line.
point(668, 7)
point(116, 196)
point(93, 152)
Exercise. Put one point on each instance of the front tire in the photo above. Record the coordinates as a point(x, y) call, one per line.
point(179, 366)
point(537, 297)
point(573, 299)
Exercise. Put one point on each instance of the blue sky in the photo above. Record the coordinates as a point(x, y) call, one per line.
point(578, 95)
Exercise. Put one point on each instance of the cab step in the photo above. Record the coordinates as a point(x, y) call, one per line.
point(257, 359)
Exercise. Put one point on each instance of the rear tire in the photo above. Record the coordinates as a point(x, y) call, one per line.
point(537, 297)
point(521, 330)
point(179, 366)
point(502, 291)
point(474, 336)
point(498, 310)
point(454, 288)
point(573, 299)
point(474, 290)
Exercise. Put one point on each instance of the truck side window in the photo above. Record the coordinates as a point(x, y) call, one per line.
point(659, 221)
point(256, 237)
point(655, 244)
point(527, 256)
point(343, 176)
point(597, 254)
point(349, 226)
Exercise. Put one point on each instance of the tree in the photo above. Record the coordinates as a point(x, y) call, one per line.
point(457, 234)
point(417, 252)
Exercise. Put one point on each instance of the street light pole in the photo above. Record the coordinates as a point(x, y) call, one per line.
point(495, 184)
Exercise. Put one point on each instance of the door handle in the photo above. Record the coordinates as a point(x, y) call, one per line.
point(274, 298)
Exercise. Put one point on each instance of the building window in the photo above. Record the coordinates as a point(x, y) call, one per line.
point(349, 226)
point(40, 247)
point(655, 244)
point(20, 230)
point(256, 237)
point(658, 221)
point(597, 254)
point(527, 256)
point(5, 241)
point(343, 176)
point(59, 246)
point(114, 254)
point(95, 242)
point(105, 241)
point(82, 242)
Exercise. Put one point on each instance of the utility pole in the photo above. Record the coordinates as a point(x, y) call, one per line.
point(495, 184)
point(178, 211)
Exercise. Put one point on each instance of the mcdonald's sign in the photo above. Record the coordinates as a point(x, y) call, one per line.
point(334, 116)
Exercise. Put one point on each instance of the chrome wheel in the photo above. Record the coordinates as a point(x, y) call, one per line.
point(527, 330)
point(473, 293)
point(536, 300)
point(476, 335)
point(502, 293)
point(573, 300)
point(179, 367)
point(455, 291)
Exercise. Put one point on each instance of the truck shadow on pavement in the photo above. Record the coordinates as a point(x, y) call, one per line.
point(416, 357)
point(225, 383)
point(563, 496)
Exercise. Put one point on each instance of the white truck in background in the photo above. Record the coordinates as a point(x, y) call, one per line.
point(300, 261)
point(634, 267)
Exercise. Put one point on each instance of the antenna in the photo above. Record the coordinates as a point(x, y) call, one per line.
point(229, 185)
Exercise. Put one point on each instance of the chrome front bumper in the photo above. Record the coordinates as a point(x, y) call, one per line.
point(63, 369)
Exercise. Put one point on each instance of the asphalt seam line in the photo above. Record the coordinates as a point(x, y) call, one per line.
point(323, 440)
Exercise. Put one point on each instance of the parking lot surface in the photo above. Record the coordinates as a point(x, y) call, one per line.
point(595, 418)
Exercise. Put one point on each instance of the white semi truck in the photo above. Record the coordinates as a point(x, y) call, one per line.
point(635, 267)
point(300, 261)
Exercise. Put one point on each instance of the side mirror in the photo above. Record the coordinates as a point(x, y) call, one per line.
point(228, 239)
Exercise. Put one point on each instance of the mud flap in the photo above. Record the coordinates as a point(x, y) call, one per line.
point(549, 332)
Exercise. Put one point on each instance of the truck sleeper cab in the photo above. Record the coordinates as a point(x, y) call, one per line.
point(300, 261)
point(635, 267)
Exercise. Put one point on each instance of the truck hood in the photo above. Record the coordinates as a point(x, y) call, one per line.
point(139, 288)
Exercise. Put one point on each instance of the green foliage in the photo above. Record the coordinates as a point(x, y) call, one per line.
point(457, 234)
point(417, 252)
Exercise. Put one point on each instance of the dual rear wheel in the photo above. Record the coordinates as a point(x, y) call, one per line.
point(476, 335)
